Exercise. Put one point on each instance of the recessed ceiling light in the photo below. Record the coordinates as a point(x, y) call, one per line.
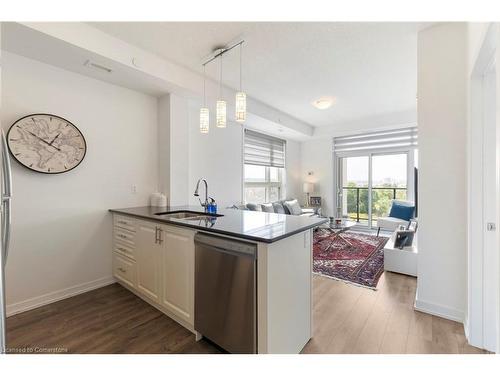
point(323, 102)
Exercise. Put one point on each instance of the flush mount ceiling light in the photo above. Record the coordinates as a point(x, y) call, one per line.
point(221, 105)
point(323, 102)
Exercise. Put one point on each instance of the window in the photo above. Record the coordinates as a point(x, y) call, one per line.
point(263, 184)
point(264, 168)
point(372, 169)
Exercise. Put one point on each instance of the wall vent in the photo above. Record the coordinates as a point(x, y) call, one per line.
point(91, 64)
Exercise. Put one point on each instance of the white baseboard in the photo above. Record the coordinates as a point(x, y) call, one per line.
point(45, 299)
point(466, 328)
point(439, 310)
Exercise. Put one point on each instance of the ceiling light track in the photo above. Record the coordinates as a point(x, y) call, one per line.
point(219, 51)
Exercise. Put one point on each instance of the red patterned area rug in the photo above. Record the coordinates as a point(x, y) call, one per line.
point(351, 257)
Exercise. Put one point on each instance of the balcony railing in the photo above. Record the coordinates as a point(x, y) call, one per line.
point(356, 207)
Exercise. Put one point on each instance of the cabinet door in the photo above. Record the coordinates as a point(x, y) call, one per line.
point(178, 272)
point(148, 247)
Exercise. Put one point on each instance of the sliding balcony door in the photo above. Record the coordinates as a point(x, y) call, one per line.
point(368, 183)
point(353, 191)
point(389, 181)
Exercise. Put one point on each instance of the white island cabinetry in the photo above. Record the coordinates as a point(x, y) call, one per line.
point(156, 261)
point(177, 276)
point(148, 259)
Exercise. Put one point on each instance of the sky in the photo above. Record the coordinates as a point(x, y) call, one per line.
point(384, 167)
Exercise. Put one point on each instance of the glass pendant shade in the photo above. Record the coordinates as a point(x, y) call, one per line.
point(241, 107)
point(204, 120)
point(221, 114)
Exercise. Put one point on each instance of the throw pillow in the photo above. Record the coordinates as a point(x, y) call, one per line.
point(294, 207)
point(254, 207)
point(267, 207)
point(278, 208)
point(402, 212)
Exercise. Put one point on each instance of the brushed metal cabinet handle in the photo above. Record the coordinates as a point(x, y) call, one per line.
point(160, 240)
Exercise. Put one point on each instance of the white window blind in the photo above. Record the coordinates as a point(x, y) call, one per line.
point(382, 140)
point(264, 150)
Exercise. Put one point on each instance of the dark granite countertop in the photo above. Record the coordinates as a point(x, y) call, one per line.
point(250, 225)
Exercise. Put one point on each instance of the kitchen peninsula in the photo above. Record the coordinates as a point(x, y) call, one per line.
point(161, 254)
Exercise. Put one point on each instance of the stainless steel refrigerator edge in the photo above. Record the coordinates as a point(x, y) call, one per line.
point(6, 196)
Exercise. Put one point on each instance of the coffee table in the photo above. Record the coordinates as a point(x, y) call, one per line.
point(338, 229)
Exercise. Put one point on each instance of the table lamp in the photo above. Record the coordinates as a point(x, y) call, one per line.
point(308, 188)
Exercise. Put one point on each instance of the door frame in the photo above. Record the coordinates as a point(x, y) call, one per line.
point(480, 264)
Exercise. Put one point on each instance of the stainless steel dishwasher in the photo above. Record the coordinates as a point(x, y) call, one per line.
point(226, 292)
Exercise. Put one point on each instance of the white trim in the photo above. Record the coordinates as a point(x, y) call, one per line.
point(439, 310)
point(477, 259)
point(466, 327)
point(45, 299)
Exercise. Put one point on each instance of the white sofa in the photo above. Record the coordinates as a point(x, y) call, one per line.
point(392, 223)
point(280, 207)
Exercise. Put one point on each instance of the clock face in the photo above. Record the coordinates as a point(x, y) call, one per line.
point(46, 143)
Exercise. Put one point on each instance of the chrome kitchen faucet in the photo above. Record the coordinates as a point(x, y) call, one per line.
point(204, 205)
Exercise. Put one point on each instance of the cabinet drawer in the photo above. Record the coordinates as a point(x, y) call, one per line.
point(124, 269)
point(125, 222)
point(124, 249)
point(125, 236)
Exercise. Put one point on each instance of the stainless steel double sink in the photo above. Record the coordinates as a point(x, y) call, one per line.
point(187, 215)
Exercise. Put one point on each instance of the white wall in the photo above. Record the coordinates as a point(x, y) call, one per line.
point(61, 234)
point(164, 139)
point(179, 150)
point(217, 157)
point(294, 170)
point(317, 157)
point(173, 145)
point(442, 118)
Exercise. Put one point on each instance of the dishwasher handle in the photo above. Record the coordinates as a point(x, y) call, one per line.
point(225, 245)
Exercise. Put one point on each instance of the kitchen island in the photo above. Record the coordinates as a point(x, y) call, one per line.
point(154, 257)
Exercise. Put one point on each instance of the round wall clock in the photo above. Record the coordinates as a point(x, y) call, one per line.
point(46, 143)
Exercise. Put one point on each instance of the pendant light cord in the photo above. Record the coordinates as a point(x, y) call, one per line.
point(241, 64)
point(204, 90)
point(220, 79)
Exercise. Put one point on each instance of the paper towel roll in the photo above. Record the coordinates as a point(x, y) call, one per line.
point(158, 200)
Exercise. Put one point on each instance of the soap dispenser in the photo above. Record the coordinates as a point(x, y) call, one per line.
point(212, 206)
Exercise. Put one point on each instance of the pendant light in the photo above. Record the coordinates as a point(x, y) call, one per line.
point(241, 98)
point(204, 112)
point(221, 104)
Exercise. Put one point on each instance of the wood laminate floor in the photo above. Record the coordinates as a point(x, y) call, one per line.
point(347, 319)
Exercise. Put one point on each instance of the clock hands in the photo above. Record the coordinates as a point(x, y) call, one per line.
point(43, 140)
point(52, 141)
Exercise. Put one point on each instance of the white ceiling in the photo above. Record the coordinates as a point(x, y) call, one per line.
point(370, 68)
